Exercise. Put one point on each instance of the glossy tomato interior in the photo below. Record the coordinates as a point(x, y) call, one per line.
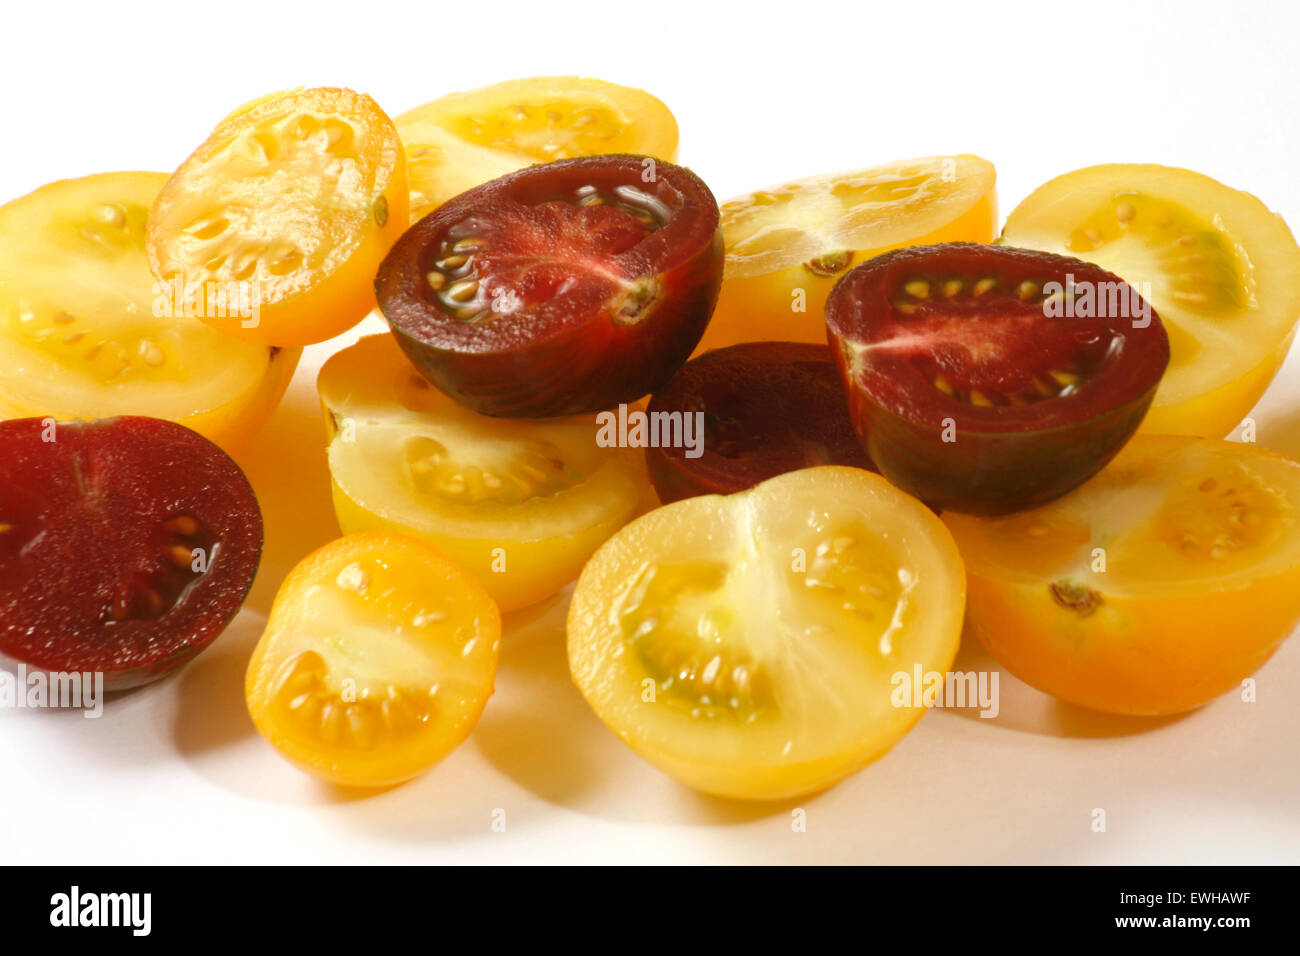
point(560, 289)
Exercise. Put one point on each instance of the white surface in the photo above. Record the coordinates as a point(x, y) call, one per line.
point(176, 773)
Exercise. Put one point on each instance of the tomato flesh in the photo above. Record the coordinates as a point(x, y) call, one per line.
point(464, 139)
point(377, 660)
point(1221, 268)
point(126, 545)
point(974, 392)
point(558, 290)
point(521, 504)
point(86, 333)
point(292, 201)
point(748, 644)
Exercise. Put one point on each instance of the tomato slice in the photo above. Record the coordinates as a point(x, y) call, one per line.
point(126, 545)
point(747, 644)
point(465, 139)
point(978, 378)
point(1164, 581)
point(560, 289)
point(520, 504)
point(291, 202)
point(377, 660)
point(787, 245)
point(1222, 270)
point(763, 408)
point(86, 334)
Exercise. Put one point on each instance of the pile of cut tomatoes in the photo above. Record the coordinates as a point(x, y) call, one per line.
point(790, 446)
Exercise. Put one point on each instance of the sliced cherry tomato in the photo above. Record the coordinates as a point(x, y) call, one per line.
point(764, 408)
point(1164, 581)
point(520, 504)
point(748, 644)
point(462, 140)
point(786, 246)
point(978, 378)
point(377, 660)
point(126, 545)
point(559, 289)
point(86, 333)
point(1222, 270)
point(291, 203)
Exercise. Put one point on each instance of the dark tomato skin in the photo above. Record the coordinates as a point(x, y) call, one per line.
point(768, 408)
point(1011, 452)
point(625, 317)
point(97, 524)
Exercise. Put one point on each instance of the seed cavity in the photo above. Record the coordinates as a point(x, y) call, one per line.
point(1078, 598)
point(830, 264)
point(353, 578)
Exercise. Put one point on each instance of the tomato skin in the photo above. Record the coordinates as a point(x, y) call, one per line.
point(1134, 656)
point(780, 406)
point(983, 460)
point(1163, 582)
point(571, 367)
point(997, 474)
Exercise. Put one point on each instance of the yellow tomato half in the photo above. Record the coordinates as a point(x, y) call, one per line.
point(1221, 270)
point(751, 645)
point(377, 660)
point(291, 203)
point(87, 332)
point(787, 246)
point(464, 139)
point(1163, 582)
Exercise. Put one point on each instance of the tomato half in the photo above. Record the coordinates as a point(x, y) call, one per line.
point(291, 203)
point(520, 504)
point(126, 545)
point(1222, 270)
point(789, 244)
point(988, 379)
point(1161, 583)
point(377, 660)
point(737, 416)
point(85, 331)
point(560, 289)
point(462, 140)
point(748, 645)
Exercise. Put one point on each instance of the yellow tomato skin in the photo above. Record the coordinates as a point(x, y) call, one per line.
point(517, 574)
point(762, 308)
point(1157, 585)
point(233, 425)
point(1217, 412)
point(522, 553)
point(1135, 656)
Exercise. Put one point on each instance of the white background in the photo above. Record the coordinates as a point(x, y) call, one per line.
point(763, 93)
